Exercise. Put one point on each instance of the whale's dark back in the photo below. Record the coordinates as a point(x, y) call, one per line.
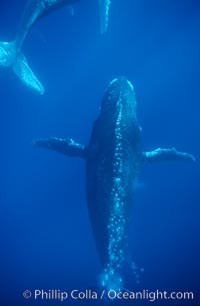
point(113, 166)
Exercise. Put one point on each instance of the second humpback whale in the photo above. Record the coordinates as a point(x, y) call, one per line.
point(113, 159)
point(11, 54)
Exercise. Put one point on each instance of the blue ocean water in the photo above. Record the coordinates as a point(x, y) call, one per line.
point(45, 235)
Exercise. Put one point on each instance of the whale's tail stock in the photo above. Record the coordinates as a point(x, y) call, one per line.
point(9, 57)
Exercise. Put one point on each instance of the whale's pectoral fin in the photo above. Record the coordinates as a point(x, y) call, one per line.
point(65, 146)
point(17, 62)
point(104, 6)
point(51, 6)
point(166, 154)
point(26, 75)
point(7, 53)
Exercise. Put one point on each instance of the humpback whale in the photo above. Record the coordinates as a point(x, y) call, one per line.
point(113, 159)
point(11, 54)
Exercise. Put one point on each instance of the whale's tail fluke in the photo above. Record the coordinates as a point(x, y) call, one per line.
point(104, 6)
point(17, 62)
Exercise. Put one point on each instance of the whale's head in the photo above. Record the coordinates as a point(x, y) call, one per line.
point(118, 111)
point(119, 95)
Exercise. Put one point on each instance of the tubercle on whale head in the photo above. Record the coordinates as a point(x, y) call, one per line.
point(120, 92)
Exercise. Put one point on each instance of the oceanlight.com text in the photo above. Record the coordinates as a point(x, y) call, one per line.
point(88, 294)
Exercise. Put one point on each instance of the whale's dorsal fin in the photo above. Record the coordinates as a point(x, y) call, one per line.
point(65, 146)
point(166, 154)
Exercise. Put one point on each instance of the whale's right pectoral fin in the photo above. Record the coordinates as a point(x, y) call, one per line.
point(65, 146)
point(167, 154)
point(26, 75)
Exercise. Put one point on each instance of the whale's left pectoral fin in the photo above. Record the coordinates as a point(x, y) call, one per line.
point(26, 75)
point(166, 155)
point(104, 6)
point(65, 146)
